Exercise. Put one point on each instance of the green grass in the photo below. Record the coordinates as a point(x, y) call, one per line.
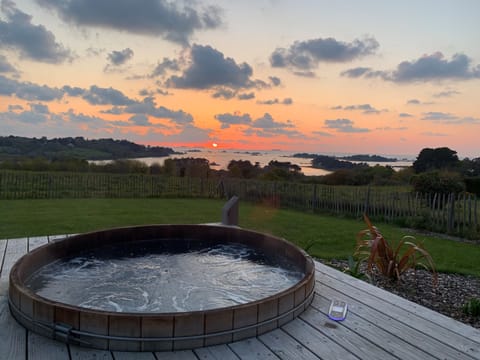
point(334, 236)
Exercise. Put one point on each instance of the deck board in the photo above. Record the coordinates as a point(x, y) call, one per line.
point(431, 328)
point(379, 325)
point(218, 352)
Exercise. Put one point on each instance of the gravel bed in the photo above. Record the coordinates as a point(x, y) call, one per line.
point(452, 292)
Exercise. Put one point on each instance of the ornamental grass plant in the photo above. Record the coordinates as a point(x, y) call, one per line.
point(391, 260)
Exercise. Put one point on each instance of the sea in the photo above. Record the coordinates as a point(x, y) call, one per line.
point(220, 158)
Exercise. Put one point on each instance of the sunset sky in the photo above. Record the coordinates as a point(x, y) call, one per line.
point(371, 76)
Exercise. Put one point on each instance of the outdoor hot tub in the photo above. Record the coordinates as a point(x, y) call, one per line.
point(161, 287)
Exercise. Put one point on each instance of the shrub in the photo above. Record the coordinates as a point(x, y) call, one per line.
point(390, 260)
point(442, 182)
point(472, 307)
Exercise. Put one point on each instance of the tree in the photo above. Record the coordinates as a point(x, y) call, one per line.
point(436, 159)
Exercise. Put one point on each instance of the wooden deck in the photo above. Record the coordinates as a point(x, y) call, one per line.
point(379, 325)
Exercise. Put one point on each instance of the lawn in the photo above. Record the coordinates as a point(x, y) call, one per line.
point(334, 237)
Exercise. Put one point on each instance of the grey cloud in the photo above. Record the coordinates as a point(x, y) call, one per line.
point(266, 126)
point(430, 133)
point(356, 72)
point(305, 56)
point(413, 102)
point(223, 93)
point(247, 96)
point(15, 107)
point(286, 101)
point(448, 118)
point(28, 91)
point(5, 66)
point(276, 81)
point(149, 107)
point(446, 93)
point(233, 119)
point(162, 67)
point(105, 96)
point(405, 115)
point(140, 120)
point(148, 17)
point(32, 41)
point(389, 128)
point(209, 68)
point(322, 133)
point(93, 122)
point(344, 125)
point(39, 108)
point(434, 67)
point(73, 91)
point(117, 58)
point(364, 108)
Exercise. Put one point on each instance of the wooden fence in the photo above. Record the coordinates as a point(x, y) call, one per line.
point(454, 213)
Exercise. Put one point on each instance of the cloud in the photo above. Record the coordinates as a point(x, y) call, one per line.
point(147, 17)
point(5, 66)
point(267, 126)
point(28, 91)
point(436, 67)
point(446, 93)
point(117, 58)
point(162, 67)
point(304, 56)
point(150, 108)
point(33, 42)
point(356, 72)
point(276, 81)
point(405, 115)
point(364, 108)
point(430, 133)
point(418, 102)
point(322, 133)
point(224, 93)
point(344, 125)
point(105, 96)
point(233, 119)
point(246, 96)
point(209, 68)
point(286, 101)
point(448, 118)
point(388, 128)
point(433, 67)
point(140, 120)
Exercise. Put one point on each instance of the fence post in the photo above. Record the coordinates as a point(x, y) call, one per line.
point(367, 201)
point(451, 213)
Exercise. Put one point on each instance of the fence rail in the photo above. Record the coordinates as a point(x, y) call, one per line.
point(449, 213)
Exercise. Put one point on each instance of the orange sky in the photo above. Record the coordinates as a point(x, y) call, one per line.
point(315, 76)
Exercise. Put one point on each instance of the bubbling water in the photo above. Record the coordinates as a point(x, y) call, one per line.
point(146, 279)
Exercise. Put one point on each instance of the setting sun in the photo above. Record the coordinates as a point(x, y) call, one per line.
point(214, 145)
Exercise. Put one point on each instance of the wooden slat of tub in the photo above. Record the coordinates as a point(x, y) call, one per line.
point(391, 305)
point(218, 352)
point(286, 347)
point(252, 349)
point(42, 348)
point(430, 348)
point(176, 355)
point(82, 353)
